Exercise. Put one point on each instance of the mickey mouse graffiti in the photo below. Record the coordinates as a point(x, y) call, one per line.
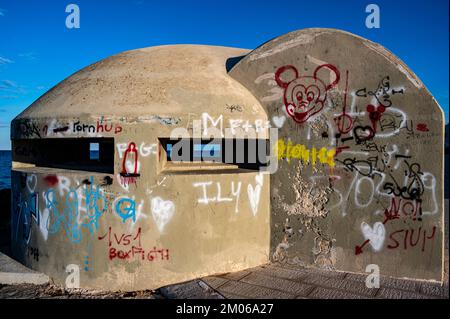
point(305, 95)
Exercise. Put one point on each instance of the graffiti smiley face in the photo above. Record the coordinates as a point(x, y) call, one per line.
point(304, 101)
point(304, 96)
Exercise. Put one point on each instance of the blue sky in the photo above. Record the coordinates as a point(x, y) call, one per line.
point(37, 50)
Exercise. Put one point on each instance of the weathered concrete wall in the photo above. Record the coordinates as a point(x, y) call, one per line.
point(380, 200)
point(360, 178)
point(160, 227)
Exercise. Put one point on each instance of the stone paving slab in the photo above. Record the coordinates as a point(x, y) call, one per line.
point(286, 273)
point(195, 289)
point(350, 286)
point(434, 289)
point(252, 291)
point(236, 275)
point(387, 282)
point(289, 286)
point(388, 293)
point(327, 293)
point(214, 282)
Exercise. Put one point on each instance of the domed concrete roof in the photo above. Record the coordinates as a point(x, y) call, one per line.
point(164, 80)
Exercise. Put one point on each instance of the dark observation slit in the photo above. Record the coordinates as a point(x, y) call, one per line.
point(81, 154)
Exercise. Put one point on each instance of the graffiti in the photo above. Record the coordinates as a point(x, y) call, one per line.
point(366, 126)
point(205, 199)
point(55, 128)
point(344, 121)
point(412, 187)
point(125, 208)
point(214, 126)
point(363, 134)
point(29, 129)
point(67, 211)
point(129, 247)
point(397, 120)
point(379, 172)
point(51, 180)
point(417, 130)
point(364, 167)
point(78, 127)
point(86, 263)
point(162, 212)
point(31, 182)
point(122, 183)
point(165, 120)
point(130, 165)
point(385, 124)
point(99, 127)
point(235, 193)
point(304, 95)
point(381, 101)
point(26, 211)
point(375, 236)
point(130, 151)
point(152, 255)
point(234, 107)
point(254, 193)
point(407, 209)
point(301, 152)
point(407, 237)
point(43, 218)
point(279, 120)
point(123, 239)
point(144, 149)
point(422, 127)
point(275, 90)
point(83, 128)
point(107, 181)
point(382, 93)
point(61, 129)
point(401, 208)
point(375, 113)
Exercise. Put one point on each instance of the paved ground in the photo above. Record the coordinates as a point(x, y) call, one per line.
point(285, 281)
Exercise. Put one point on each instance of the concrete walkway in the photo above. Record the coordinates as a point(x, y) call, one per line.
point(285, 281)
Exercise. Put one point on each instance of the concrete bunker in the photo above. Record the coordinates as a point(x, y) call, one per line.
point(95, 187)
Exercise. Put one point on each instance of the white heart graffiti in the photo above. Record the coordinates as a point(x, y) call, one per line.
point(279, 120)
point(254, 194)
point(375, 235)
point(162, 212)
point(31, 183)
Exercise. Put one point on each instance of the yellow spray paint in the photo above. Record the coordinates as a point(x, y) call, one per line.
point(301, 152)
